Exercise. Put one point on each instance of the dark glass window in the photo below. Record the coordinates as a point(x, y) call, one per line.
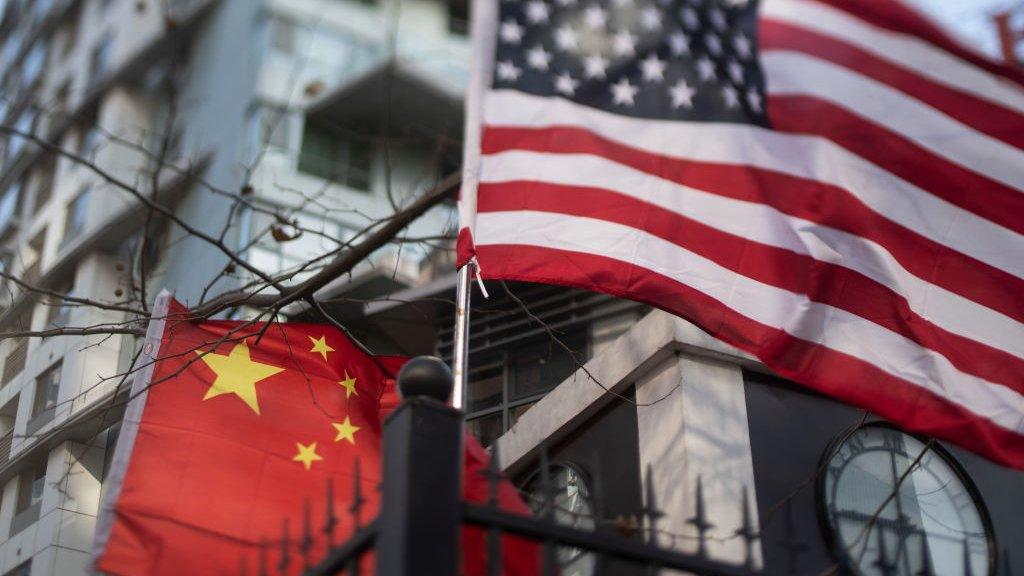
point(47, 390)
point(74, 221)
point(458, 17)
point(502, 388)
point(328, 154)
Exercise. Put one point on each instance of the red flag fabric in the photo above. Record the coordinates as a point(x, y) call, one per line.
point(235, 431)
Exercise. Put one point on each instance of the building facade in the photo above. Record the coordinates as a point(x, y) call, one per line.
point(186, 104)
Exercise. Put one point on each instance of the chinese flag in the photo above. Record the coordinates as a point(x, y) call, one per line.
point(232, 437)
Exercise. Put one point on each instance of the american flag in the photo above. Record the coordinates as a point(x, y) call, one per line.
point(835, 186)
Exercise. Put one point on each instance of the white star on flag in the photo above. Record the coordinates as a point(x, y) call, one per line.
point(507, 71)
point(653, 68)
point(624, 44)
point(650, 19)
point(730, 96)
point(742, 45)
point(565, 38)
point(595, 17)
point(679, 44)
point(706, 69)
point(538, 58)
point(735, 71)
point(754, 100)
point(690, 19)
point(682, 95)
point(566, 84)
point(511, 32)
point(713, 43)
point(595, 66)
point(537, 11)
point(623, 92)
point(718, 19)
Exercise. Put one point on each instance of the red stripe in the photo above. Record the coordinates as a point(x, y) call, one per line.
point(804, 198)
point(984, 116)
point(901, 156)
point(895, 16)
point(822, 282)
point(813, 365)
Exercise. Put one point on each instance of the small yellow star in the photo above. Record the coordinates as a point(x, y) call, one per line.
point(320, 345)
point(307, 455)
point(349, 384)
point(237, 374)
point(346, 431)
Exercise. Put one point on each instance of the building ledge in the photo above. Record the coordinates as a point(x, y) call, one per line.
point(635, 354)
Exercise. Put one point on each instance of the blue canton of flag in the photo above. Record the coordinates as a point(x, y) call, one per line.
point(676, 59)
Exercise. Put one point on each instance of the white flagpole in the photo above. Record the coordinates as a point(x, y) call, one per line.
point(460, 346)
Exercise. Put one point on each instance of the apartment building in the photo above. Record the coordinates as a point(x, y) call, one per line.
point(310, 106)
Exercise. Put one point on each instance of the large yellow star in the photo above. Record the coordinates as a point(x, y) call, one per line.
point(307, 454)
point(346, 431)
point(237, 374)
point(320, 345)
point(349, 384)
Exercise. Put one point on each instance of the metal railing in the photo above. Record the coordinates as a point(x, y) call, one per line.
point(5, 446)
point(420, 525)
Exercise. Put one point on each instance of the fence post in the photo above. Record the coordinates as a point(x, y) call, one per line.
point(422, 476)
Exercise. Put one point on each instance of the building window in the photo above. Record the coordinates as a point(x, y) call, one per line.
point(282, 35)
point(31, 484)
point(25, 124)
point(59, 311)
point(501, 390)
point(34, 254)
point(44, 405)
point(99, 61)
point(32, 66)
point(6, 258)
point(9, 204)
point(458, 17)
point(88, 132)
point(332, 156)
point(44, 182)
point(74, 221)
point(269, 129)
point(14, 363)
point(70, 34)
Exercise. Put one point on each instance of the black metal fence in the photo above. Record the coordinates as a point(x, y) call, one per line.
point(418, 529)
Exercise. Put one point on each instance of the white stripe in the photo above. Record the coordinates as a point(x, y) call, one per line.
point(808, 157)
point(768, 226)
point(796, 73)
point(794, 313)
point(906, 51)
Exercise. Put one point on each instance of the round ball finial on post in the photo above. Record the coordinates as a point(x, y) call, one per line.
point(425, 376)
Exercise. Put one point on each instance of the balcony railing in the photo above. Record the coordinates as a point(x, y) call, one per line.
point(5, 446)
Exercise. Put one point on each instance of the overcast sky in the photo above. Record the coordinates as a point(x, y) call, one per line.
point(971, 19)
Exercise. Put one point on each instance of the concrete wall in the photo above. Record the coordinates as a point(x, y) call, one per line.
point(691, 418)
